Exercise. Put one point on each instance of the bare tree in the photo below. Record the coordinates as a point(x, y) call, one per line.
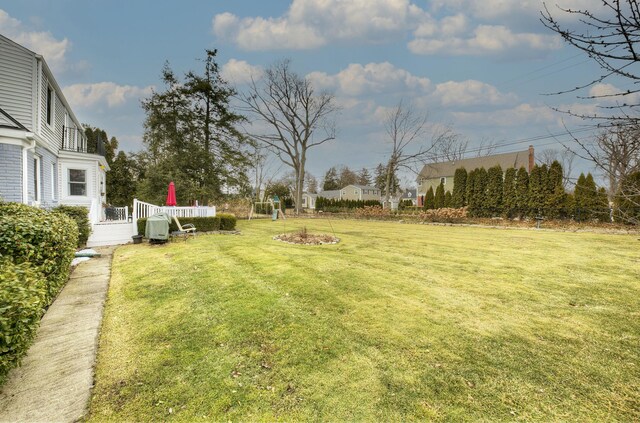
point(264, 169)
point(296, 118)
point(617, 152)
point(610, 37)
point(407, 130)
point(564, 157)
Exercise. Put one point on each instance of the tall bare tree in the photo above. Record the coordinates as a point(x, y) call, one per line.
point(290, 118)
point(564, 157)
point(407, 131)
point(609, 35)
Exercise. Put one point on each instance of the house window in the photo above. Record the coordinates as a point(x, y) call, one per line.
point(304, 201)
point(36, 178)
point(344, 192)
point(443, 181)
point(49, 105)
point(355, 191)
point(53, 181)
point(77, 182)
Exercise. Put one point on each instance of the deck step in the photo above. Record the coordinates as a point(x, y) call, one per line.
point(105, 233)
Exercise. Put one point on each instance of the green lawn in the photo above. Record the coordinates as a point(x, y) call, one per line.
point(396, 322)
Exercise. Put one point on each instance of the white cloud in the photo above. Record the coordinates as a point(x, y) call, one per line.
point(372, 78)
point(610, 94)
point(44, 43)
point(471, 93)
point(510, 9)
point(485, 39)
point(521, 115)
point(109, 93)
point(240, 72)
point(313, 23)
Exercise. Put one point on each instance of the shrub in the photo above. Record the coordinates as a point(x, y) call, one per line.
point(221, 222)
point(81, 215)
point(448, 215)
point(45, 239)
point(372, 211)
point(22, 301)
point(334, 205)
point(227, 222)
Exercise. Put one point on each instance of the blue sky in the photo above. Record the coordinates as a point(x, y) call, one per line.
point(482, 67)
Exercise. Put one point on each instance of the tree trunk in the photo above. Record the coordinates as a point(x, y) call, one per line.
point(387, 194)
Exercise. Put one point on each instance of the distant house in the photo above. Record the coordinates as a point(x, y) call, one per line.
point(409, 195)
point(44, 157)
point(309, 200)
point(432, 174)
point(360, 192)
point(333, 194)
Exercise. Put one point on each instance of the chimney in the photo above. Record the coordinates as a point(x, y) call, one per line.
point(531, 159)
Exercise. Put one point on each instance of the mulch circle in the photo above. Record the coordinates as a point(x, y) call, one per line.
point(307, 239)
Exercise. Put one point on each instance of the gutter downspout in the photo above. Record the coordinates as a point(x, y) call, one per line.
point(25, 167)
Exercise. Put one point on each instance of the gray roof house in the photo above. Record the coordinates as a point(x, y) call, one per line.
point(432, 174)
point(45, 159)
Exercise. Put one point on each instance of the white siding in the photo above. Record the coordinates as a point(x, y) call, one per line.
point(17, 72)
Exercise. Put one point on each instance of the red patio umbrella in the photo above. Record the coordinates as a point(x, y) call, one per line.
point(171, 195)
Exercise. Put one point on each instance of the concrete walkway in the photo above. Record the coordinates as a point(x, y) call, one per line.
point(55, 380)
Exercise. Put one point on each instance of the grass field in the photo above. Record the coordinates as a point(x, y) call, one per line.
point(396, 322)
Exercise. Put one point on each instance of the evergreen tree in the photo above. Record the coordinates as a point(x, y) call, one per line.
point(556, 196)
point(120, 187)
point(602, 205)
point(495, 187)
point(477, 200)
point(192, 138)
point(330, 182)
point(509, 198)
point(471, 177)
point(522, 193)
point(459, 188)
point(380, 177)
point(448, 199)
point(429, 200)
point(364, 178)
point(537, 190)
point(580, 199)
point(438, 201)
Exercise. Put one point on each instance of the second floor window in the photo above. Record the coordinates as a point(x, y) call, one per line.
point(77, 182)
point(49, 105)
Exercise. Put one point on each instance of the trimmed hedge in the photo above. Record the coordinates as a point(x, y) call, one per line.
point(221, 222)
point(47, 240)
point(22, 302)
point(36, 249)
point(81, 215)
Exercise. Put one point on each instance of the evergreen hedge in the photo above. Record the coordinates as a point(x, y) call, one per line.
point(36, 249)
point(81, 216)
point(336, 206)
point(45, 239)
point(221, 222)
point(23, 294)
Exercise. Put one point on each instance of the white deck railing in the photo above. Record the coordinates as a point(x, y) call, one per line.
point(142, 210)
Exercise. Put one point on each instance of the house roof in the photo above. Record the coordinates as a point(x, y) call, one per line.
point(361, 186)
point(7, 121)
point(409, 194)
point(334, 193)
point(505, 160)
point(310, 194)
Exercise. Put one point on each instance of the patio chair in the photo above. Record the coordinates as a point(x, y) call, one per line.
point(186, 230)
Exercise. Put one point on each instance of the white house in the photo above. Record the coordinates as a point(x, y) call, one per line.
point(44, 157)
